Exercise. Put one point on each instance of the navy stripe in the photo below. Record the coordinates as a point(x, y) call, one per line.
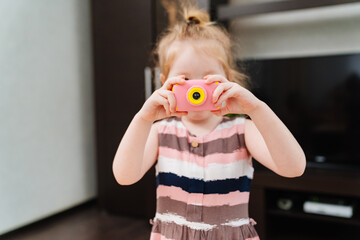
point(207, 187)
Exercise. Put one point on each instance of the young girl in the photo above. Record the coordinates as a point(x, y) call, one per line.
point(204, 167)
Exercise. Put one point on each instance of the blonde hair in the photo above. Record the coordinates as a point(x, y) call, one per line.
point(195, 25)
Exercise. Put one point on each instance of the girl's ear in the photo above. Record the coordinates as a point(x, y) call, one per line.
point(162, 78)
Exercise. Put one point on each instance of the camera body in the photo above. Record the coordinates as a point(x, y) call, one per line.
point(194, 95)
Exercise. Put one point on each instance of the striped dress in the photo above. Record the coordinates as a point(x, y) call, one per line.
point(203, 183)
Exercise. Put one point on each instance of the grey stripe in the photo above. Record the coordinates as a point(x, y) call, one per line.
point(179, 232)
point(209, 215)
point(221, 145)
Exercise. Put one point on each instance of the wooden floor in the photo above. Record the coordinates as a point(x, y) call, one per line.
point(85, 222)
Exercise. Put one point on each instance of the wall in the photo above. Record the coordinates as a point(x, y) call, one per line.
point(47, 138)
point(308, 32)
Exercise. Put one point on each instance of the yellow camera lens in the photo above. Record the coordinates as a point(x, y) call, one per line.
point(196, 95)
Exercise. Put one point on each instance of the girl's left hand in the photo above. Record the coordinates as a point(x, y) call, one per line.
point(238, 99)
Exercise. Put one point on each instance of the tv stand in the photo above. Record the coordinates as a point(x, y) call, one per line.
point(275, 223)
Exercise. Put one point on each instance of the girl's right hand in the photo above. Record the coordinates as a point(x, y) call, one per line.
point(161, 104)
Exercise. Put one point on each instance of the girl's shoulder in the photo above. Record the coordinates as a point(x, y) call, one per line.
point(233, 124)
point(171, 122)
point(164, 121)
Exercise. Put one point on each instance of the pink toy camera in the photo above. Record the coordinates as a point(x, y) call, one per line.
point(194, 95)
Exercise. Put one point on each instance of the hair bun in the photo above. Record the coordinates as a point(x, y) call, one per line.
point(196, 17)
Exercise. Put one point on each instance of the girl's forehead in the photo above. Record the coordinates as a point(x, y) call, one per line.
point(205, 46)
point(192, 58)
point(192, 49)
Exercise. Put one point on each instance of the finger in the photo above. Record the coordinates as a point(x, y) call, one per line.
point(172, 101)
point(220, 112)
point(220, 90)
point(215, 78)
point(165, 103)
point(216, 112)
point(167, 108)
point(170, 97)
point(174, 80)
point(223, 97)
point(179, 114)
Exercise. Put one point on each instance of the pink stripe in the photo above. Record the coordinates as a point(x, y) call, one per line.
point(220, 133)
point(254, 238)
point(209, 200)
point(223, 158)
point(158, 236)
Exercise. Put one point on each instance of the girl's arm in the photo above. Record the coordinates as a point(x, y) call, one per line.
point(271, 143)
point(267, 138)
point(137, 150)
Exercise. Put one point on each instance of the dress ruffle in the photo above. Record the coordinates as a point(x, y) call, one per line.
point(181, 232)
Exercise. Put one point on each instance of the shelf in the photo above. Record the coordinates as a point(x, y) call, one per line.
point(308, 216)
point(274, 223)
point(230, 11)
point(321, 181)
point(296, 225)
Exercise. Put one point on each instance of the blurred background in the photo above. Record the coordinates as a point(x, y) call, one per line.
point(74, 73)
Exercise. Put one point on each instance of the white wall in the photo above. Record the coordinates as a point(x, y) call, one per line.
point(310, 32)
point(47, 146)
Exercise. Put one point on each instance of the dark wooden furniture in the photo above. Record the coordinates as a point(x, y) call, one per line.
point(274, 223)
point(123, 36)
